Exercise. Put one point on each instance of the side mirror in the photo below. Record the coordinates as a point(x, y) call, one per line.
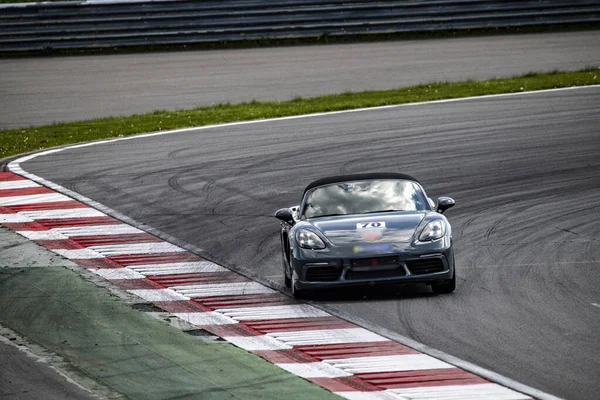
point(444, 203)
point(285, 215)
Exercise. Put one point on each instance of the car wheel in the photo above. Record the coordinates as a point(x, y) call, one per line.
point(446, 287)
point(287, 280)
point(297, 293)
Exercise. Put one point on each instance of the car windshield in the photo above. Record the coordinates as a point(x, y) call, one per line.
point(362, 197)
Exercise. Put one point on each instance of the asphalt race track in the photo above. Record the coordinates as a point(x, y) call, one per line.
point(37, 91)
point(524, 170)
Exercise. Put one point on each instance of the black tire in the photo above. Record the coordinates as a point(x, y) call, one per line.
point(446, 287)
point(297, 293)
point(287, 280)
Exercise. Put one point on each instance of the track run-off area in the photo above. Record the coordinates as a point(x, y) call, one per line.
point(523, 168)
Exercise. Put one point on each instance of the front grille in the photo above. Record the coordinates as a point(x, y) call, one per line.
point(375, 262)
point(374, 274)
point(322, 274)
point(425, 266)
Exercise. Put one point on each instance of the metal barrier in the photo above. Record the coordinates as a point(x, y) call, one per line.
point(73, 25)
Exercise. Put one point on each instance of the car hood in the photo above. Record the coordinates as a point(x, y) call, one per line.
point(372, 228)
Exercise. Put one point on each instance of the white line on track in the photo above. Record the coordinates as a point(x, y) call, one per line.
point(177, 268)
point(78, 254)
point(100, 230)
point(273, 312)
point(117, 273)
point(62, 214)
point(404, 362)
point(222, 289)
point(136, 248)
point(257, 343)
point(42, 235)
point(377, 395)
point(206, 318)
point(153, 295)
point(65, 233)
point(327, 336)
point(13, 218)
point(254, 343)
point(463, 392)
point(17, 185)
point(32, 199)
point(313, 370)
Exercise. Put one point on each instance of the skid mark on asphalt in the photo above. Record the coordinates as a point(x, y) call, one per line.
point(267, 241)
point(500, 221)
point(174, 183)
point(175, 153)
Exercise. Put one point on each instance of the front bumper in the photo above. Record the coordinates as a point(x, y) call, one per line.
point(434, 266)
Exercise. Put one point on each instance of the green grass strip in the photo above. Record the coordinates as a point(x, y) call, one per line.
point(17, 141)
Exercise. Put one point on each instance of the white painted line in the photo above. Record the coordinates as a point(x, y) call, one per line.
point(596, 305)
point(376, 395)
point(20, 184)
point(42, 235)
point(158, 294)
point(205, 318)
point(313, 370)
point(14, 218)
point(257, 343)
point(177, 268)
point(327, 336)
point(33, 199)
point(97, 230)
point(117, 273)
point(273, 312)
point(136, 248)
point(490, 391)
point(65, 233)
point(406, 362)
point(79, 254)
point(62, 214)
point(222, 289)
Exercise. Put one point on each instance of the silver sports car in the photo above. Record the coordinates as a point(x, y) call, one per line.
point(366, 229)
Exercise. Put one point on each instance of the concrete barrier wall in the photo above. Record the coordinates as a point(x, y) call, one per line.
point(97, 24)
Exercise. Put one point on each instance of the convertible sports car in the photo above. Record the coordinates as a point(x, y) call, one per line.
point(366, 229)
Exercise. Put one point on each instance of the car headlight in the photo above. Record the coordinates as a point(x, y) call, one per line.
point(433, 231)
point(309, 240)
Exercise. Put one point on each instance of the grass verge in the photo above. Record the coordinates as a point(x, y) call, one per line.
point(17, 141)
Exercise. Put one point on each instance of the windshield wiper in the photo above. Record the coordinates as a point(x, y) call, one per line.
point(327, 215)
point(368, 212)
point(382, 211)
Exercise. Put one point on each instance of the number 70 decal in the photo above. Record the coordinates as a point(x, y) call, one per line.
point(370, 225)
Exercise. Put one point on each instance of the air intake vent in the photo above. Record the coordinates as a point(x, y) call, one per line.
point(323, 274)
point(425, 266)
point(375, 274)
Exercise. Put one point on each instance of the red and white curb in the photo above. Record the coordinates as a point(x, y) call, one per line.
point(335, 354)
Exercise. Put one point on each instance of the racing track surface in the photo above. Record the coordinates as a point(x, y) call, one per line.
point(37, 91)
point(524, 169)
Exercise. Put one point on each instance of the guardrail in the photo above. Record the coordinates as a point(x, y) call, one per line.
point(72, 25)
